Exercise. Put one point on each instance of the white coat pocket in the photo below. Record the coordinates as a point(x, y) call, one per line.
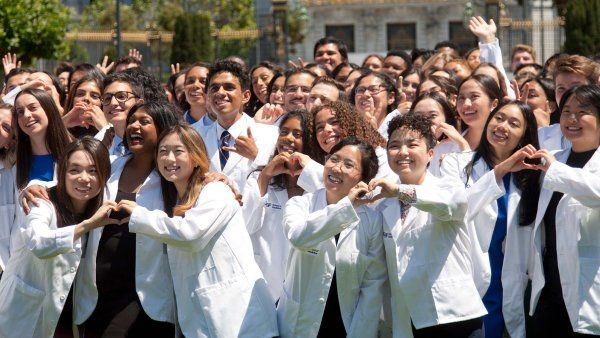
point(19, 303)
point(236, 308)
point(287, 314)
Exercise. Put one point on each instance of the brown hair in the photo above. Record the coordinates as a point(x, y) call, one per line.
point(57, 135)
point(99, 155)
point(501, 78)
point(522, 48)
point(351, 124)
point(8, 156)
point(577, 64)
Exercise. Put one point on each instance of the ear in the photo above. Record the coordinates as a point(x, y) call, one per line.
point(430, 154)
point(494, 104)
point(246, 96)
point(141, 101)
point(390, 98)
point(452, 99)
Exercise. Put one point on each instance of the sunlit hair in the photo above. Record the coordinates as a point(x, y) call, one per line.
point(99, 154)
point(501, 79)
point(577, 64)
point(197, 152)
point(450, 114)
point(57, 135)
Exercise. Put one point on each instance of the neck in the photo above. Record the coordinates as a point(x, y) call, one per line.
point(78, 206)
point(181, 188)
point(414, 180)
point(473, 137)
point(38, 145)
point(581, 147)
point(197, 111)
point(332, 197)
point(292, 181)
point(142, 162)
point(500, 156)
point(226, 123)
point(119, 130)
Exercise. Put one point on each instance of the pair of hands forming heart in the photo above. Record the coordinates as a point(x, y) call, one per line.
point(525, 158)
point(112, 213)
point(286, 163)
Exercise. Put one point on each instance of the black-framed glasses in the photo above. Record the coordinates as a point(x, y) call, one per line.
point(120, 96)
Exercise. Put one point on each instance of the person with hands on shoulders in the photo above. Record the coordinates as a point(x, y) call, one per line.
point(215, 277)
point(502, 189)
point(265, 196)
point(565, 293)
point(336, 267)
point(426, 240)
point(35, 290)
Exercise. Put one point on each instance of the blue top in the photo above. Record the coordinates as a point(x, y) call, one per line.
point(493, 322)
point(42, 168)
point(189, 118)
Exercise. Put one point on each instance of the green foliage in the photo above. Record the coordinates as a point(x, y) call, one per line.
point(192, 40)
point(34, 29)
point(100, 14)
point(582, 27)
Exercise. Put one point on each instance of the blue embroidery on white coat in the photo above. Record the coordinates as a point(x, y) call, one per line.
point(313, 251)
point(387, 235)
point(273, 205)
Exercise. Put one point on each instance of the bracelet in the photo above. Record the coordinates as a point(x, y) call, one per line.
point(406, 193)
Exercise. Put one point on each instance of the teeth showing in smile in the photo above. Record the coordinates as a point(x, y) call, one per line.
point(334, 179)
point(31, 123)
point(287, 148)
point(470, 112)
point(573, 128)
point(500, 135)
point(83, 190)
point(405, 161)
point(171, 169)
point(331, 139)
point(196, 93)
point(136, 138)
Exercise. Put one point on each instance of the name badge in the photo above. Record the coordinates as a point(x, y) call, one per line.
point(273, 205)
point(387, 235)
point(313, 251)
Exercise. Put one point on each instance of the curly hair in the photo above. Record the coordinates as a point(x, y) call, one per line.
point(413, 122)
point(350, 123)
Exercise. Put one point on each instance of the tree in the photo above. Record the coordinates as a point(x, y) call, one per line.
point(192, 39)
point(34, 29)
point(582, 27)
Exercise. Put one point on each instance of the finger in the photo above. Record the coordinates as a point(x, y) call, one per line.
point(173, 69)
point(301, 62)
point(249, 132)
point(526, 91)
point(399, 83)
point(19, 64)
point(124, 220)
point(232, 149)
point(374, 183)
point(292, 64)
point(26, 208)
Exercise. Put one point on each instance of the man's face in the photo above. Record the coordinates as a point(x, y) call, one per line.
point(226, 97)
point(519, 58)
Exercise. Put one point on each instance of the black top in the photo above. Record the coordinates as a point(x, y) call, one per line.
point(332, 324)
point(115, 262)
point(552, 292)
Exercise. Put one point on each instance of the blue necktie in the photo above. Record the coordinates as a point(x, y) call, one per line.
point(224, 142)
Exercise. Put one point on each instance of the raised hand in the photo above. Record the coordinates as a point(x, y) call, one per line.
point(136, 54)
point(31, 194)
point(484, 31)
point(518, 161)
point(357, 194)
point(268, 113)
point(10, 62)
point(175, 68)
point(300, 64)
point(105, 67)
point(453, 135)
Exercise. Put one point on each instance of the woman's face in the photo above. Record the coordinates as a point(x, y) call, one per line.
point(261, 77)
point(327, 127)
point(579, 124)
point(473, 104)
point(82, 182)
point(506, 129)
point(536, 98)
point(342, 170)
point(428, 87)
point(430, 108)
point(349, 84)
point(141, 132)
point(31, 116)
point(88, 93)
point(473, 59)
point(408, 155)
point(116, 111)
point(290, 136)
point(6, 129)
point(173, 160)
point(374, 95)
point(409, 86)
point(277, 91)
point(373, 64)
point(194, 84)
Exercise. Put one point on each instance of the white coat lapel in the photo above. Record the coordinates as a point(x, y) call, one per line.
point(545, 194)
point(391, 216)
point(211, 141)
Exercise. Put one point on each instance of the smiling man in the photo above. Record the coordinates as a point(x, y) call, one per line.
point(330, 52)
point(235, 144)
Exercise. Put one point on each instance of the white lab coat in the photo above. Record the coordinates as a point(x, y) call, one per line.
point(429, 265)
point(264, 221)
point(551, 138)
point(311, 177)
point(219, 288)
point(491, 52)
point(10, 212)
point(578, 240)
point(358, 260)
point(238, 168)
point(39, 275)
point(482, 193)
point(152, 275)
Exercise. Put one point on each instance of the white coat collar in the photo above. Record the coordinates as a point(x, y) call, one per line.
point(320, 202)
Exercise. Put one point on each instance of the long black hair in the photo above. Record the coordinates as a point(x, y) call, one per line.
point(528, 181)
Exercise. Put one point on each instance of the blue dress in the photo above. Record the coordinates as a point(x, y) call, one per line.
point(42, 168)
point(493, 322)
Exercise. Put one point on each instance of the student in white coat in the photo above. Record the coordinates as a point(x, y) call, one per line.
point(426, 240)
point(565, 293)
point(265, 197)
point(124, 287)
point(8, 189)
point(331, 123)
point(502, 191)
point(235, 144)
point(35, 296)
point(219, 288)
point(336, 268)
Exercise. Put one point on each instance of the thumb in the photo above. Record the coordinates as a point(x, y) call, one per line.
point(399, 83)
point(402, 97)
point(250, 133)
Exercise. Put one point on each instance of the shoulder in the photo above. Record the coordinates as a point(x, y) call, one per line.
point(45, 208)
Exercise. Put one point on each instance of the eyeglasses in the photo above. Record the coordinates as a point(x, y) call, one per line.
point(121, 97)
point(373, 90)
point(293, 89)
point(346, 165)
point(574, 115)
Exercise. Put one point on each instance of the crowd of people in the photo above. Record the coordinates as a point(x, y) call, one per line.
point(428, 194)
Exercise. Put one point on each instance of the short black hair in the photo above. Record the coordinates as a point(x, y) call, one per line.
point(368, 160)
point(418, 123)
point(63, 67)
point(152, 90)
point(124, 77)
point(18, 71)
point(402, 54)
point(446, 43)
point(341, 46)
point(232, 67)
point(535, 66)
point(125, 60)
point(164, 115)
point(418, 52)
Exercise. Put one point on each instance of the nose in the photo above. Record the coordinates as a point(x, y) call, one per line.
point(327, 127)
point(403, 150)
point(171, 156)
point(113, 101)
point(290, 137)
point(84, 177)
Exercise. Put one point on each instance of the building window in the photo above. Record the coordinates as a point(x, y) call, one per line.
point(461, 37)
point(342, 32)
point(401, 36)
